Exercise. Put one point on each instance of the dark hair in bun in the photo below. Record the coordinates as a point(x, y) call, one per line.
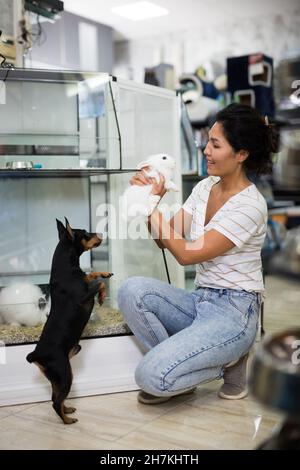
point(246, 129)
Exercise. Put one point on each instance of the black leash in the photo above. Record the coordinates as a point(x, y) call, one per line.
point(166, 265)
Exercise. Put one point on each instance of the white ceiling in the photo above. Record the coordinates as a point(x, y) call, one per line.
point(184, 14)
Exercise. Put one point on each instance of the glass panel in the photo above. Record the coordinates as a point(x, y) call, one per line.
point(149, 116)
point(28, 209)
point(58, 120)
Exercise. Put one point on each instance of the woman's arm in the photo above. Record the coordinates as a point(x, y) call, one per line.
point(180, 223)
point(209, 246)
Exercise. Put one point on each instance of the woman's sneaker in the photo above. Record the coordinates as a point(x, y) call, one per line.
point(147, 399)
point(235, 380)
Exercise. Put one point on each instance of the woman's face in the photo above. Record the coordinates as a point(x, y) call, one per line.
point(221, 159)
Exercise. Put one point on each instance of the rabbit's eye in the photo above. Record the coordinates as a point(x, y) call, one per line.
point(164, 158)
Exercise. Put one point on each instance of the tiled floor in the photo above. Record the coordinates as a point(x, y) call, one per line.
point(118, 421)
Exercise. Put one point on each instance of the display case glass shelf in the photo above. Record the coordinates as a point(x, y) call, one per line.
point(60, 173)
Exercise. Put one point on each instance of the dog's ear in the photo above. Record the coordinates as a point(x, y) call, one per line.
point(70, 232)
point(61, 229)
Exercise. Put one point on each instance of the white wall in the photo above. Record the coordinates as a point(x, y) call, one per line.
point(276, 34)
point(75, 43)
point(7, 17)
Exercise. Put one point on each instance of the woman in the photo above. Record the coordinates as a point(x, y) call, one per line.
point(196, 337)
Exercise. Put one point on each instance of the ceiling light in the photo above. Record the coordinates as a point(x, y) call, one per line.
point(140, 11)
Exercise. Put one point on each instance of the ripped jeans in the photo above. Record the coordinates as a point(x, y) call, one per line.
point(189, 336)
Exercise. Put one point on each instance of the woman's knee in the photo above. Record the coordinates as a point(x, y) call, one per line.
point(128, 289)
point(130, 296)
point(147, 378)
point(149, 375)
point(134, 287)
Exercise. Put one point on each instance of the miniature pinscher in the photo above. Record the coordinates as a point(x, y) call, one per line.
point(72, 300)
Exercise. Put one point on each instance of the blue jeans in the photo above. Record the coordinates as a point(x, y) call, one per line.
point(189, 336)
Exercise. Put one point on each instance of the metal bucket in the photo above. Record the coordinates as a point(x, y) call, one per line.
point(275, 373)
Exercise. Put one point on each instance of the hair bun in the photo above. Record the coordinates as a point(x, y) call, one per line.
point(246, 129)
point(272, 138)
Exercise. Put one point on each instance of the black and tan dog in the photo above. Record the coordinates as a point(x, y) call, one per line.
point(72, 300)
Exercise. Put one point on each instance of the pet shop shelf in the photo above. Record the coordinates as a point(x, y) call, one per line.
point(61, 173)
point(69, 142)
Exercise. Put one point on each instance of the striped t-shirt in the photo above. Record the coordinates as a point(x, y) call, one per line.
point(242, 219)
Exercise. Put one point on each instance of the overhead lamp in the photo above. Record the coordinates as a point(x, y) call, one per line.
point(138, 11)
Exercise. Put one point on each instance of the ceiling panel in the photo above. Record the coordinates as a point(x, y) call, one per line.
point(184, 14)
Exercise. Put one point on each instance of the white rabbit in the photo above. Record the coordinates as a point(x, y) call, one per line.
point(24, 304)
point(138, 200)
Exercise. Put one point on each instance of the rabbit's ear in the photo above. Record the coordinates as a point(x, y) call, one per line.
point(143, 164)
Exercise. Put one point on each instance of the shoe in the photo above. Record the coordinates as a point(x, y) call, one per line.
point(148, 399)
point(235, 380)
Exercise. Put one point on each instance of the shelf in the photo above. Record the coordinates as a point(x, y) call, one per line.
point(286, 194)
point(192, 176)
point(291, 211)
point(62, 173)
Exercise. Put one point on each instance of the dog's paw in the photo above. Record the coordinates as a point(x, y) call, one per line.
point(93, 276)
point(68, 420)
point(69, 410)
point(106, 274)
point(101, 298)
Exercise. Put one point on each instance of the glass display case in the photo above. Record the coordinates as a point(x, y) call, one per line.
point(69, 143)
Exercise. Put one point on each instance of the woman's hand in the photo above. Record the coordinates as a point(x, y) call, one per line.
point(159, 188)
point(142, 179)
